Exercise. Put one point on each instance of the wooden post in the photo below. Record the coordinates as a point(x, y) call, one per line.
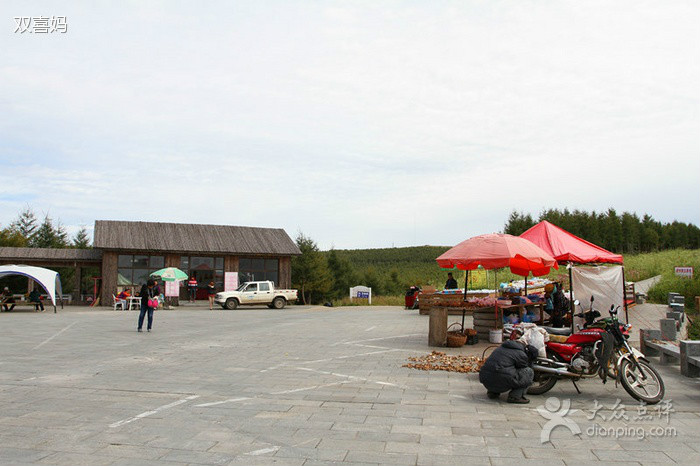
point(285, 272)
point(78, 276)
point(109, 277)
point(437, 328)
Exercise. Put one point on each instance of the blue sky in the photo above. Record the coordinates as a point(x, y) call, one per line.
point(362, 124)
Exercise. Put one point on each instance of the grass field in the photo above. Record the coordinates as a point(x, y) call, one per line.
point(398, 268)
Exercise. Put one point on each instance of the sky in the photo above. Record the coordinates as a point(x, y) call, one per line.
point(362, 124)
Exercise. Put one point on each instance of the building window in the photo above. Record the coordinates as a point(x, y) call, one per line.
point(258, 269)
point(135, 269)
point(204, 269)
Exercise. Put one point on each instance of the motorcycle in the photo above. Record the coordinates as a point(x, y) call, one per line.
point(599, 349)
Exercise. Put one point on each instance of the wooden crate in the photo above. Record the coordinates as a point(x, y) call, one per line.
point(485, 319)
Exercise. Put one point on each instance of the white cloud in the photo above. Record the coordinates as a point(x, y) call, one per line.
point(360, 124)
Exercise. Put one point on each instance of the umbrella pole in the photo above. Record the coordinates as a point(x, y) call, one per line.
point(466, 284)
point(499, 319)
point(526, 284)
point(571, 295)
point(624, 295)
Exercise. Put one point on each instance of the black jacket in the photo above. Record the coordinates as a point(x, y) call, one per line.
point(451, 284)
point(146, 294)
point(502, 371)
point(560, 302)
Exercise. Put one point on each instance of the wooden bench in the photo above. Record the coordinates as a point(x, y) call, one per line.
point(19, 303)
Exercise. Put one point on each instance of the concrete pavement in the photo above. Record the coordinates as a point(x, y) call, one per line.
point(302, 386)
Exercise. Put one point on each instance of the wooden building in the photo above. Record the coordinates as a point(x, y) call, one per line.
point(132, 250)
point(128, 252)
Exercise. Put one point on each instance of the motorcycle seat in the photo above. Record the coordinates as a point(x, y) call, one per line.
point(557, 331)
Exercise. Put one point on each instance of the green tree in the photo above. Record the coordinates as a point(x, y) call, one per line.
point(394, 285)
point(343, 274)
point(518, 223)
point(11, 237)
point(26, 224)
point(49, 235)
point(310, 272)
point(81, 240)
point(613, 231)
point(650, 240)
point(631, 232)
point(372, 280)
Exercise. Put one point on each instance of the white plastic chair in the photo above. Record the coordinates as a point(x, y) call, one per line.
point(119, 302)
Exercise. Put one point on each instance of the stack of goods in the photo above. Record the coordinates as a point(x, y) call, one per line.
point(476, 293)
point(455, 299)
point(485, 320)
point(517, 287)
point(488, 301)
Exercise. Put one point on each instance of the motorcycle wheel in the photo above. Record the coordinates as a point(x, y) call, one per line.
point(542, 384)
point(651, 390)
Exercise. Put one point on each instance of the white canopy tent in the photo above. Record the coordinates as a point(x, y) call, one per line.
point(48, 279)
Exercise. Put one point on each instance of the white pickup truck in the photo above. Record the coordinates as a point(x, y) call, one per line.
point(251, 293)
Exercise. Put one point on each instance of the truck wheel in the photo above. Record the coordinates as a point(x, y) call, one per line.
point(231, 304)
point(279, 302)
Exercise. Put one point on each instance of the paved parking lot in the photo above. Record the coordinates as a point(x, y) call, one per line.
point(302, 386)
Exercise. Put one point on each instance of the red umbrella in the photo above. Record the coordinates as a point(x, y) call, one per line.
point(496, 251)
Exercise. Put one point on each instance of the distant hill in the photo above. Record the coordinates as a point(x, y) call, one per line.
point(391, 270)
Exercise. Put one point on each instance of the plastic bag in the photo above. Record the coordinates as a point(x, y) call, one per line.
point(535, 337)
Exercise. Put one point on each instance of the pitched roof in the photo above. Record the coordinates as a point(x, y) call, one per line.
point(181, 237)
point(50, 254)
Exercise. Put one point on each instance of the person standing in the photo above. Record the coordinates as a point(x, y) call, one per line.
point(192, 288)
point(148, 297)
point(451, 283)
point(560, 304)
point(211, 292)
point(35, 298)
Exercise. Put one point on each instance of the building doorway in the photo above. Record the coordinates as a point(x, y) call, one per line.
point(205, 270)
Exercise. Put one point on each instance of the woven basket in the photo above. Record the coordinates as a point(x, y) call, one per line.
point(456, 338)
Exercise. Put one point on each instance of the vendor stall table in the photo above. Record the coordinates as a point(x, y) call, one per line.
point(521, 311)
point(485, 319)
